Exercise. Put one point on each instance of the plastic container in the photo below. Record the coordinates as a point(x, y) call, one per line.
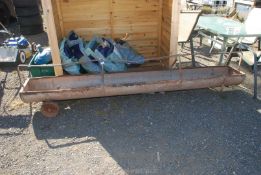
point(40, 71)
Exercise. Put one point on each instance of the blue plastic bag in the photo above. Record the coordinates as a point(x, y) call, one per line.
point(128, 53)
point(43, 57)
point(76, 49)
point(68, 60)
point(89, 65)
point(104, 51)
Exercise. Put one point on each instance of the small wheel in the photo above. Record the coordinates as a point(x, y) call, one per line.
point(50, 109)
point(34, 47)
point(22, 57)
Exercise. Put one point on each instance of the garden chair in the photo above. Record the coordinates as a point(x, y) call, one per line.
point(232, 13)
point(187, 23)
point(252, 58)
point(247, 53)
point(249, 57)
point(252, 25)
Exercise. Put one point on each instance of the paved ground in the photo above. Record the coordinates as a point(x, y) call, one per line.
point(186, 132)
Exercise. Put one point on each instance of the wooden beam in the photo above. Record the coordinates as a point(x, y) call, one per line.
point(52, 35)
point(60, 17)
point(174, 31)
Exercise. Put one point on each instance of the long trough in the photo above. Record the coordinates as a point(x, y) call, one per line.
point(90, 86)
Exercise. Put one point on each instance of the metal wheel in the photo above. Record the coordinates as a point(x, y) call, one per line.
point(34, 47)
point(50, 109)
point(22, 57)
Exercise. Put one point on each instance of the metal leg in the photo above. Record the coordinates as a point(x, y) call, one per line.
point(255, 76)
point(223, 50)
point(212, 47)
point(200, 40)
point(182, 45)
point(259, 44)
point(240, 61)
point(212, 44)
point(192, 52)
point(230, 54)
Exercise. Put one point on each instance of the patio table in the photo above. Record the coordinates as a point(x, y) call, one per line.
point(227, 29)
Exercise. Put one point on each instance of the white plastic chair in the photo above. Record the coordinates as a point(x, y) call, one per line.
point(248, 57)
point(253, 26)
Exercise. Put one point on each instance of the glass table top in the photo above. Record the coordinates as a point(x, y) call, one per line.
point(225, 27)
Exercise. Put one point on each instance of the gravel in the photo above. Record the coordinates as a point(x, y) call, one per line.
point(185, 132)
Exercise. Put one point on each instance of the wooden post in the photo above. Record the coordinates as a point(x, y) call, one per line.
point(52, 35)
point(160, 26)
point(174, 31)
point(60, 18)
point(111, 19)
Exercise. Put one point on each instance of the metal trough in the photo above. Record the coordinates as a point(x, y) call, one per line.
point(89, 86)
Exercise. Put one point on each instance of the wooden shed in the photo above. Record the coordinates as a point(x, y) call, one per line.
point(152, 25)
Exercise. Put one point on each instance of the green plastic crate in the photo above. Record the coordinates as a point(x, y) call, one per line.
point(40, 71)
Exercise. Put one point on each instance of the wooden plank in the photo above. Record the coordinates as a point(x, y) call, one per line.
point(52, 35)
point(165, 27)
point(174, 31)
point(56, 19)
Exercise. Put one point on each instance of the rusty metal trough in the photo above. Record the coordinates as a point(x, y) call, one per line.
point(89, 86)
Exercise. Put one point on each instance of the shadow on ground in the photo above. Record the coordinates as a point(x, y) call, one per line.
point(15, 116)
point(192, 132)
point(20, 122)
point(9, 83)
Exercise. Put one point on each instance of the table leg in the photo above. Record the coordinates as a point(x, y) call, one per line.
point(223, 50)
